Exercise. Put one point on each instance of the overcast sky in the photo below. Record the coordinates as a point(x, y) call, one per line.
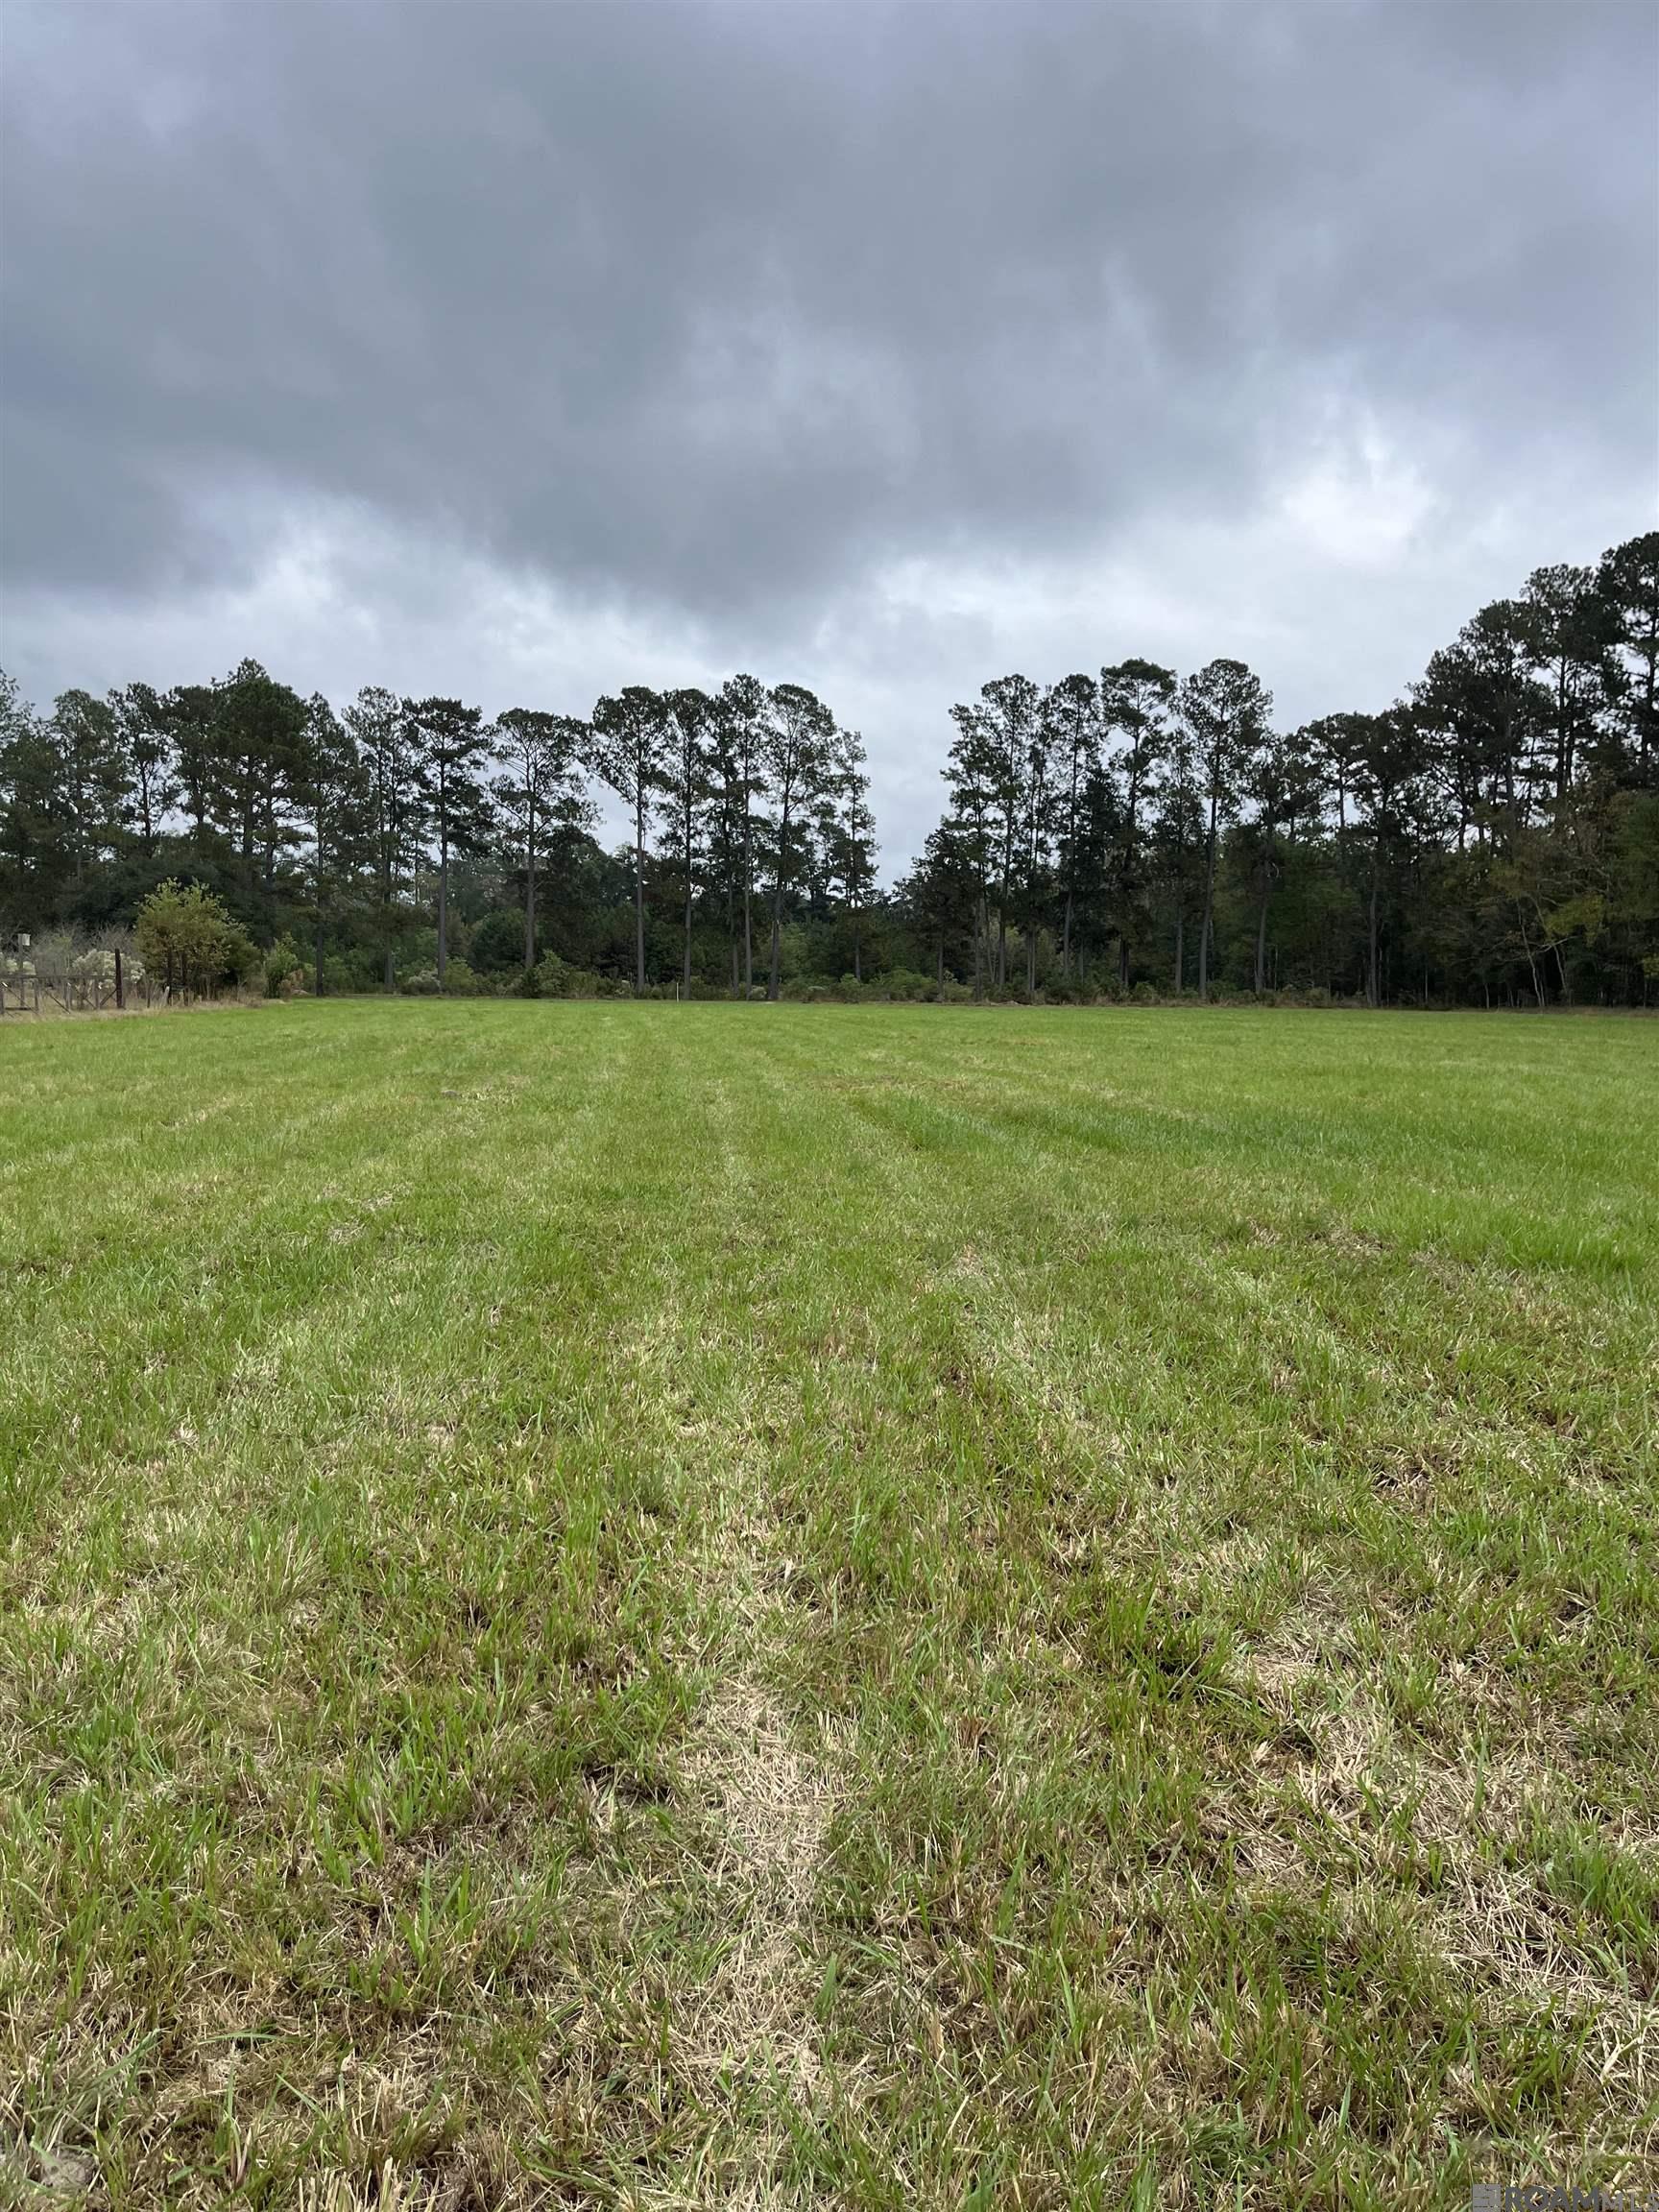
point(522, 351)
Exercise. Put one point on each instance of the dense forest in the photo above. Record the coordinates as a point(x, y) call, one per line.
point(1491, 839)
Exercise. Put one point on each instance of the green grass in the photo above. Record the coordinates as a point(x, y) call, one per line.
point(650, 1605)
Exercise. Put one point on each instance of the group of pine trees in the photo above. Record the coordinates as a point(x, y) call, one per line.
point(1493, 837)
point(385, 837)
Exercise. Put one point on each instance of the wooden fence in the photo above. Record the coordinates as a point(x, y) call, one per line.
point(25, 991)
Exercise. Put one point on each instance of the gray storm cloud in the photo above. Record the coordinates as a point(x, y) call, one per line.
point(862, 342)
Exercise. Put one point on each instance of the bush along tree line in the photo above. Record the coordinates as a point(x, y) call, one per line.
point(1491, 839)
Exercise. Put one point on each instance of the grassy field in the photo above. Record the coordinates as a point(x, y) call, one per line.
point(651, 1606)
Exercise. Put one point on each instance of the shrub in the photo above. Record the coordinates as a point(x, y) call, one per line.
point(284, 970)
point(459, 982)
point(549, 978)
point(189, 943)
point(496, 946)
point(241, 958)
point(907, 983)
point(342, 975)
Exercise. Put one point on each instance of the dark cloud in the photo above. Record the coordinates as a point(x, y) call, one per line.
point(730, 317)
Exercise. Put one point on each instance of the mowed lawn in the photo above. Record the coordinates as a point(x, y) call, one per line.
point(657, 1605)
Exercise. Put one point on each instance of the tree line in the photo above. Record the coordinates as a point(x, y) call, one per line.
point(1492, 837)
point(411, 841)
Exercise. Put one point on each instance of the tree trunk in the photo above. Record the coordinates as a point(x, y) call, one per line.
point(1262, 944)
point(1031, 905)
point(775, 978)
point(748, 921)
point(1373, 994)
point(771, 987)
point(271, 871)
point(530, 888)
point(1262, 914)
point(248, 868)
point(640, 896)
point(685, 963)
point(390, 976)
point(442, 903)
point(1563, 743)
point(1125, 866)
point(1209, 903)
point(1003, 894)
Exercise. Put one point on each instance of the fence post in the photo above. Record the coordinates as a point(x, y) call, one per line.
point(120, 983)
